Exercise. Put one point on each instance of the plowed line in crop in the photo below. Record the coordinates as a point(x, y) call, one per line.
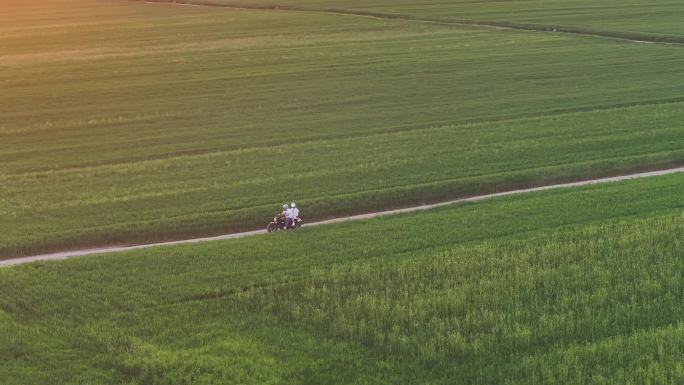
point(631, 37)
point(103, 250)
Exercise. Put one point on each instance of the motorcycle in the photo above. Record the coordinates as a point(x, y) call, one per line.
point(278, 223)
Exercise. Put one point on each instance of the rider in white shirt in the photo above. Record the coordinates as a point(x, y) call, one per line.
point(290, 215)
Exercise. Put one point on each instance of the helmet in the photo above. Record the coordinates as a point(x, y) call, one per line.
point(293, 205)
point(285, 206)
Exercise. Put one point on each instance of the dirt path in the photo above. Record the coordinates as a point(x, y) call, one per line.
point(630, 37)
point(102, 250)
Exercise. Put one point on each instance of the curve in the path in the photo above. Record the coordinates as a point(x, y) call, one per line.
point(632, 37)
point(102, 250)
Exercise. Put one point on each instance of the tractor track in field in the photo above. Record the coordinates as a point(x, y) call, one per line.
point(630, 37)
point(111, 249)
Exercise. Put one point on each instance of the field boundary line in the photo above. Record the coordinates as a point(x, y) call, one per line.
point(631, 37)
point(477, 198)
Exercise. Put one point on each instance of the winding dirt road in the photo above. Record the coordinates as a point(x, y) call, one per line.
point(112, 249)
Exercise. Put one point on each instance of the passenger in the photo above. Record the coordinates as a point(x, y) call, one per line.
point(295, 211)
point(291, 216)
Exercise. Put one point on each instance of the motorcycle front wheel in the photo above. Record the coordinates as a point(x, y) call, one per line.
point(271, 226)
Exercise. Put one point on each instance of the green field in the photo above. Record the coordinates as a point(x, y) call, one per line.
point(127, 122)
point(578, 286)
point(652, 18)
point(130, 122)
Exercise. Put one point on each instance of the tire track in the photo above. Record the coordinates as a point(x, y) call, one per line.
point(631, 37)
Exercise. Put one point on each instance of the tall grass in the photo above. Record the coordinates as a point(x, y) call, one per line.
point(496, 301)
point(577, 287)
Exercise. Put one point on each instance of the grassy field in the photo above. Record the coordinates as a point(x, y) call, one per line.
point(580, 286)
point(124, 122)
point(131, 122)
point(652, 18)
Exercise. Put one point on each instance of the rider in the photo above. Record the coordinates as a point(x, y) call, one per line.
point(291, 215)
point(281, 217)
